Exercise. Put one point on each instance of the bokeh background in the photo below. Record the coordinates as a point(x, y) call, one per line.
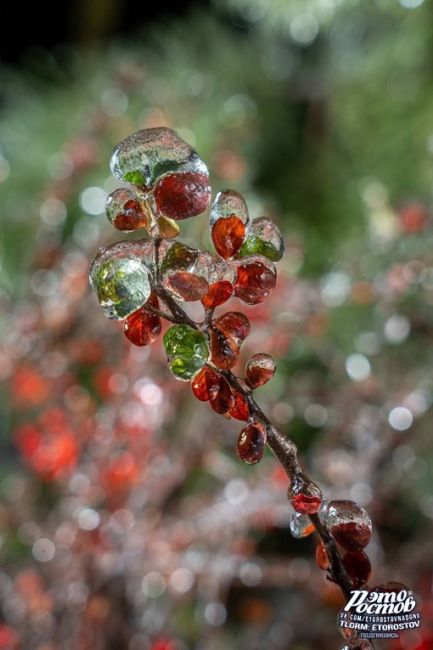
point(126, 520)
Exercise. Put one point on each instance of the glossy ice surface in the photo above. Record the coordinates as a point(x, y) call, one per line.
point(255, 279)
point(184, 272)
point(147, 155)
point(305, 496)
point(300, 525)
point(263, 238)
point(127, 210)
point(120, 276)
point(187, 351)
point(349, 523)
point(251, 443)
point(229, 203)
point(259, 370)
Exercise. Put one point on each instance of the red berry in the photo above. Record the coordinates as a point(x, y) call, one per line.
point(142, 327)
point(205, 384)
point(259, 370)
point(223, 400)
point(209, 385)
point(233, 324)
point(187, 286)
point(305, 496)
point(349, 523)
point(255, 280)
point(351, 535)
point(228, 235)
point(127, 209)
point(131, 217)
point(240, 410)
point(180, 196)
point(358, 567)
point(226, 336)
point(224, 351)
point(251, 443)
point(218, 293)
point(305, 504)
point(322, 559)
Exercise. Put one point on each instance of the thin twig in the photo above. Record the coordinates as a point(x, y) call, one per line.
point(283, 448)
point(286, 452)
point(161, 314)
point(177, 312)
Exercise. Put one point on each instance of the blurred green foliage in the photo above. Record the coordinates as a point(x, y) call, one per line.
point(311, 119)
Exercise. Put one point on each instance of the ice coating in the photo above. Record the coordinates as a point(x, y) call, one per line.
point(178, 257)
point(209, 385)
point(167, 228)
point(184, 272)
point(187, 351)
point(251, 443)
point(228, 220)
point(300, 525)
point(233, 325)
point(143, 327)
point(217, 294)
point(147, 155)
point(121, 277)
point(226, 337)
point(304, 495)
point(229, 203)
point(127, 210)
point(220, 270)
point(263, 238)
point(255, 279)
point(358, 567)
point(259, 370)
point(182, 195)
point(349, 523)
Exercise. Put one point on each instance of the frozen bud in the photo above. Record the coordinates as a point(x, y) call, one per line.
point(259, 370)
point(228, 220)
point(120, 275)
point(184, 272)
point(127, 210)
point(150, 154)
point(305, 496)
point(358, 567)
point(300, 525)
point(349, 524)
point(187, 351)
point(251, 443)
point(255, 279)
point(263, 238)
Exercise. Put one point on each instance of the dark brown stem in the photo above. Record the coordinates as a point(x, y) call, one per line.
point(161, 314)
point(283, 448)
point(178, 315)
point(338, 573)
point(286, 452)
point(208, 317)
